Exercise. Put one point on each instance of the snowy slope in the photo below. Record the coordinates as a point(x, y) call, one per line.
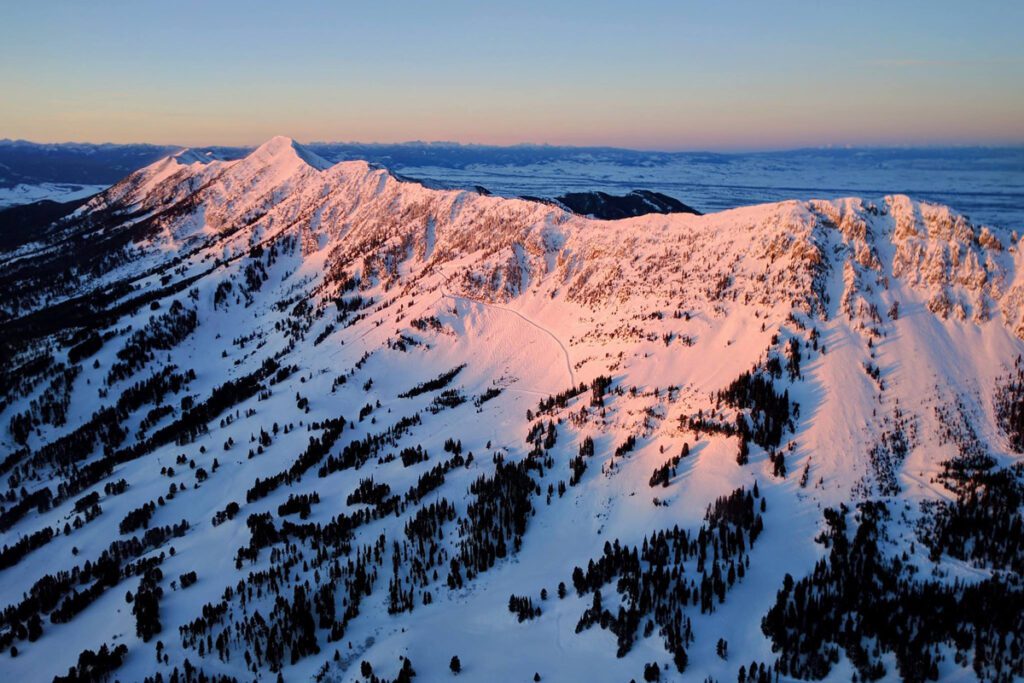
point(884, 316)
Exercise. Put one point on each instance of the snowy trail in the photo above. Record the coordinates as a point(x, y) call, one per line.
point(565, 351)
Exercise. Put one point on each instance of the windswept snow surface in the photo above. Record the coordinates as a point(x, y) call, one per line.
point(370, 286)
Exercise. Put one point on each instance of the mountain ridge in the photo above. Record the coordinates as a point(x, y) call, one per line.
point(983, 184)
point(361, 336)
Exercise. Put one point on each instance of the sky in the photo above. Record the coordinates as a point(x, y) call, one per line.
point(683, 75)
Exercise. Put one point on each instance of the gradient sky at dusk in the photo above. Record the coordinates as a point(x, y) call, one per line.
point(652, 75)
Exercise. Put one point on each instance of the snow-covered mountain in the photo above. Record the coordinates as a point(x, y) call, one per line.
point(277, 415)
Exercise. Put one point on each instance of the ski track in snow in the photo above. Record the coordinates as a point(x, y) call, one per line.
point(565, 351)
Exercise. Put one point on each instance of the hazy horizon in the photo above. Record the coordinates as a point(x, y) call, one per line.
point(455, 143)
point(656, 77)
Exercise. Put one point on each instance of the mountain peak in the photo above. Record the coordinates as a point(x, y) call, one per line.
point(189, 156)
point(277, 143)
point(284, 147)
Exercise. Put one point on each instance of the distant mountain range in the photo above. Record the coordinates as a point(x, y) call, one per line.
point(27, 162)
point(985, 183)
point(31, 163)
point(22, 161)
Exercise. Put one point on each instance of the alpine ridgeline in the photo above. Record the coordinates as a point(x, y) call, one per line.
point(274, 415)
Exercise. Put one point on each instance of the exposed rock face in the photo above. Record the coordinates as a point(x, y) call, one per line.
point(612, 207)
